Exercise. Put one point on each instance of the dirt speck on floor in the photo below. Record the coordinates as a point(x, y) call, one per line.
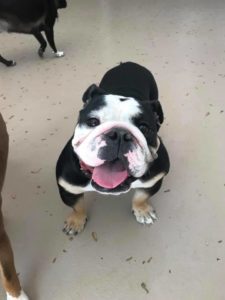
point(54, 260)
point(143, 285)
point(94, 236)
point(129, 258)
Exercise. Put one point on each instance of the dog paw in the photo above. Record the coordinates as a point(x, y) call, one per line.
point(145, 214)
point(75, 223)
point(41, 52)
point(22, 296)
point(59, 54)
point(11, 63)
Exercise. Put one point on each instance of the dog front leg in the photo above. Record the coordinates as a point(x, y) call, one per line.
point(76, 220)
point(49, 32)
point(42, 41)
point(8, 63)
point(8, 272)
point(141, 207)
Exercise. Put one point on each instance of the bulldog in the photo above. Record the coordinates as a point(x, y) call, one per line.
point(115, 146)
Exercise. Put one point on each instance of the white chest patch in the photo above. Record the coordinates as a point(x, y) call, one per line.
point(73, 189)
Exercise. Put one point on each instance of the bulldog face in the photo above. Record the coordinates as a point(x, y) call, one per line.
point(115, 139)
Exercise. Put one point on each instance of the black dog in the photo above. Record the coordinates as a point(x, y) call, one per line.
point(31, 17)
point(115, 146)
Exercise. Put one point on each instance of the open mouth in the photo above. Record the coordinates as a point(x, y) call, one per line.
point(109, 176)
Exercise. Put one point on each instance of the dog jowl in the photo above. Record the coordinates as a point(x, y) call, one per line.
point(31, 17)
point(115, 146)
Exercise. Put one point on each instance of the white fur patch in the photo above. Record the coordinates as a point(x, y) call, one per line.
point(117, 110)
point(22, 296)
point(74, 189)
point(149, 183)
point(59, 54)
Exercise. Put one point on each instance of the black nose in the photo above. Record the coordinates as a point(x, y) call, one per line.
point(119, 134)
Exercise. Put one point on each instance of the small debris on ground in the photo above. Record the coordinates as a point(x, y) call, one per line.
point(129, 258)
point(143, 285)
point(207, 114)
point(148, 261)
point(54, 260)
point(94, 236)
point(167, 191)
point(36, 171)
point(220, 241)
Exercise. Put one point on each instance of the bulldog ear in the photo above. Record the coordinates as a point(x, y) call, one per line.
point(92, 91)
point(157, 109)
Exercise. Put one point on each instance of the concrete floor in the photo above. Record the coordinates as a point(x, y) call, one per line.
point(182, 256)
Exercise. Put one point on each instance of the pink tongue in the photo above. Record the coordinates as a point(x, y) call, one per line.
point(110, 174)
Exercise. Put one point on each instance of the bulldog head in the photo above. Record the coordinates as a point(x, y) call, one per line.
point(116, 139)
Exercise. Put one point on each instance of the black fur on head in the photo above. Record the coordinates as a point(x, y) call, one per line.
point(157, 109)
point(61, 4)
point(92, 91)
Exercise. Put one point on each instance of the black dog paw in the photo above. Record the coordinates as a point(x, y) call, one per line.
point(10, 63)
point(41, 52)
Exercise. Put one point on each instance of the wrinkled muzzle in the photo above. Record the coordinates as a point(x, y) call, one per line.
point(112, 152)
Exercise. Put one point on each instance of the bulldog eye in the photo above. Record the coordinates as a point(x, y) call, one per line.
point(93, 122)
point(144, 128)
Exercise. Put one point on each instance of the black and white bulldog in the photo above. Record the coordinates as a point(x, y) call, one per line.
point(115, 146)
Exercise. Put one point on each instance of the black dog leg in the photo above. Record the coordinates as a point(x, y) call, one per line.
point(77, 219)
point(50, 37)
point(8, 63)
point(42, 42)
